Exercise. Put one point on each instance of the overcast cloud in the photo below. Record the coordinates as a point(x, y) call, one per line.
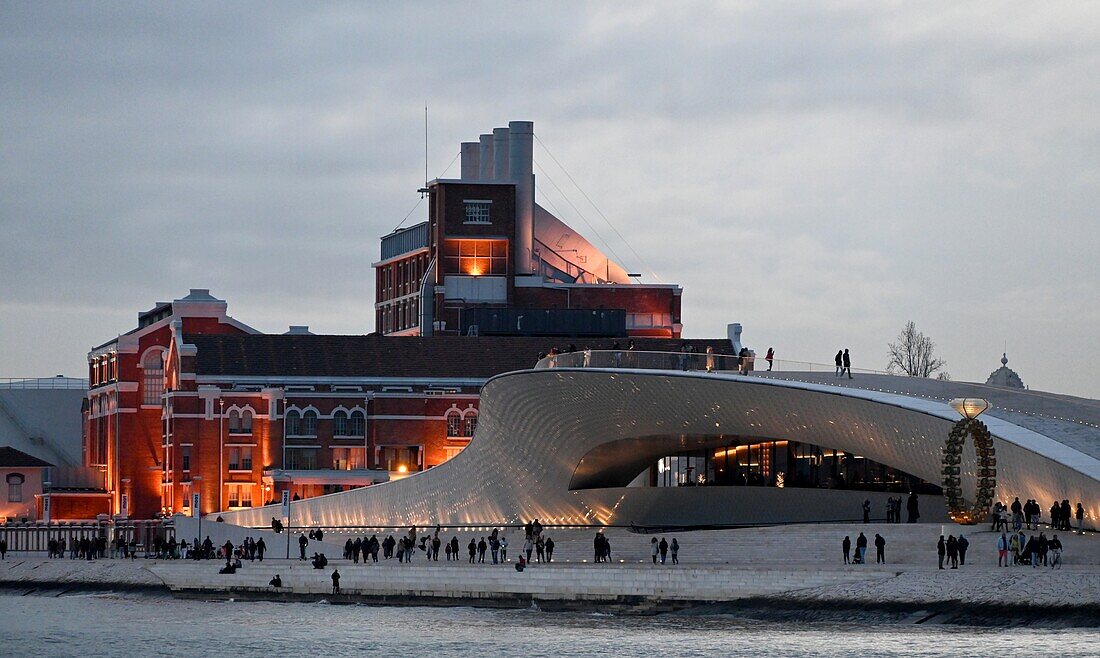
point(821, 174)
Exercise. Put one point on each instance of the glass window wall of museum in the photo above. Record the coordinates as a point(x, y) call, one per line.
point(782, 464)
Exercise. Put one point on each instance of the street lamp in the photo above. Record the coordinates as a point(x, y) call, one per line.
point(969, 425)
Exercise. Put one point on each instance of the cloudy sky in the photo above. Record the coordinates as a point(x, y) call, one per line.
point(821, 174)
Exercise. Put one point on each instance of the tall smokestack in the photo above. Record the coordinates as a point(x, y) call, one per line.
point(521, 145)
point(500, 155)
point(471, 157)
point(485, 160)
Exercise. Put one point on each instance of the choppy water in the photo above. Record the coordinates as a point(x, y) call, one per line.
point(139, 625)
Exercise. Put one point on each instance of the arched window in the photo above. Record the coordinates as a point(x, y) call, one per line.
point(152, 380)
point(340, 423)
point(246, 421)
point(293, 423)
point(234, 422)
point(469, 423)
point(454, 423)
point(15, 487)
point(357, 426)
point(309, 423)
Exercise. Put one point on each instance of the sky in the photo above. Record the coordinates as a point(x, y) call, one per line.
point(820, 173)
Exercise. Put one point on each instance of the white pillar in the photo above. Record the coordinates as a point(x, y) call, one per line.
point(485, 158)
point(520, 164)
point(500, 155)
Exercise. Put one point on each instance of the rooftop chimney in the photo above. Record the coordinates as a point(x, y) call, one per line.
point(521, 136)
point(485, 159)
point(500, 155)
point(471, 158)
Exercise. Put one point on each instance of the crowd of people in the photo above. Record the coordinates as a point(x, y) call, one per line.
point(1029, 515)
point(860, 554)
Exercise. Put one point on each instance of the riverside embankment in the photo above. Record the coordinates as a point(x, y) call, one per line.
point(783, 570)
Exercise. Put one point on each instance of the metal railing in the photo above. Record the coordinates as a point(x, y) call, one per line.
point(43, 383)
point(1023, 401)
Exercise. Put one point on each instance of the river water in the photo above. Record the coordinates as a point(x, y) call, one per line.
point(144, 625)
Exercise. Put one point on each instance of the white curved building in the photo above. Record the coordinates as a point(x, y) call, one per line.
point(597, 445)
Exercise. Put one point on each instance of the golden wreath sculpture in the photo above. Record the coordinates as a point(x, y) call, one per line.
point(957, 508)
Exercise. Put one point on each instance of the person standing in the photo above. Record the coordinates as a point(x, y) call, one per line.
point(1080, 518)
point(302, 543)
point(941, 550)
point(839, 359)
point(963, 545)
point(867, 510)
point(503, 548)
point(769, 357)
point(549, 549)
point(847, 364)
point(653, 549)
point(261, 547)
point(674, 547)
point(861, 548)
point(913, 507)
point(1002, 550)
point(335, 581)
point(880, 549)
point(663, 547)
point(847, 546)
point(953, 551)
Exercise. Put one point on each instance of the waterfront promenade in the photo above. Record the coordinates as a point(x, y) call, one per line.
point(785, 566)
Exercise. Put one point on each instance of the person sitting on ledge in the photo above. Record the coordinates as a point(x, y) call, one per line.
point(228, 568)
point(319, 561)
point(521, 564)
point(276, 582)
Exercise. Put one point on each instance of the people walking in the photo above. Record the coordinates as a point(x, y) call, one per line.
point(663, 548)
point(839, 359)
point(674, 547)
point(847, 360)
point(654, 549)
point(769, 357)
point(880, 549)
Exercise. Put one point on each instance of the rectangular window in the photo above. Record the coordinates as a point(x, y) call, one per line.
point(301, 459)
point(240, 458)
point(475, 257)
point(240, 495)
point(186, 458)
point(348, 459)
point(15, 491)
point(477, 212)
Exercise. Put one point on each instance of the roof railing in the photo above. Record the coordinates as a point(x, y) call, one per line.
point(44, 383)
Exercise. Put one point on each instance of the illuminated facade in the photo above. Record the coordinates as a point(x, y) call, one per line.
point(491, 261)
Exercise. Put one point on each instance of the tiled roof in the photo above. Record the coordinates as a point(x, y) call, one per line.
point(268, 355)
point(12, 458)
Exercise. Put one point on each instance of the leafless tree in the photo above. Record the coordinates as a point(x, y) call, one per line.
point(914, 353)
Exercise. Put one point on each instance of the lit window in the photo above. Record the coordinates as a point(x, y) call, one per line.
point(469, 424)
point(454, 423)
point(477, 212)
point(475, 257)
point(240, 495)
point(186, 458)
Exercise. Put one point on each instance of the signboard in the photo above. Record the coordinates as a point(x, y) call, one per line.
point(46, 508)
point(124, 506)
point(196, 506)
point(286, 504)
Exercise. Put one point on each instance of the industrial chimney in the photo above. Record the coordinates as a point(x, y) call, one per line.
point(471, 159)
point(520, 153)
point(485, 160)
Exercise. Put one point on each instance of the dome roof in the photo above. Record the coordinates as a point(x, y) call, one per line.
point(1005, 376)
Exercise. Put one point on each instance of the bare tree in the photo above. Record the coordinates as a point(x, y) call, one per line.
point(914, 353)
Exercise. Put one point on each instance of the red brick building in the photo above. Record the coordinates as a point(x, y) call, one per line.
point(193, 401)
point(491, 261)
